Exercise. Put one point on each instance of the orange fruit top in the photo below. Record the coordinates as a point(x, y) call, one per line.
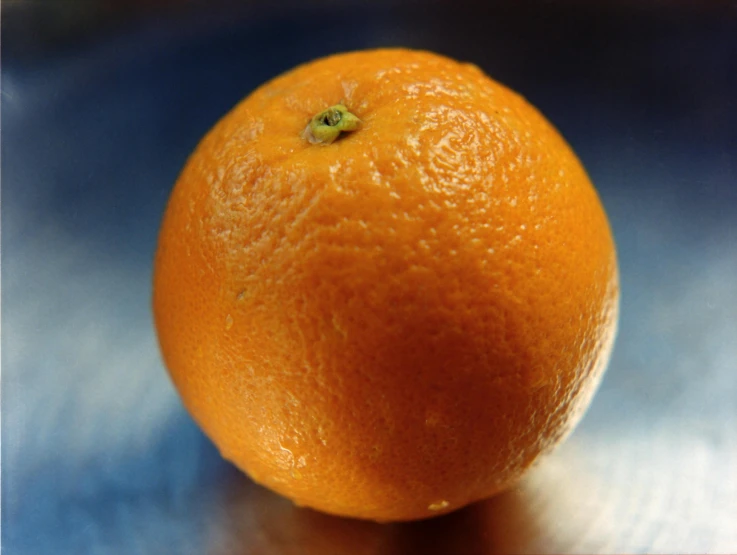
point(398, 323)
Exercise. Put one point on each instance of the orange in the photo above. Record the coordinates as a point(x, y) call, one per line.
point(397, 323)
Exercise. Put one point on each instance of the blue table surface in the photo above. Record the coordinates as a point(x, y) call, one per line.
point(98, 455)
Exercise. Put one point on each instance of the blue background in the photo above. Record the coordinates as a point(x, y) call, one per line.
point(98, 456)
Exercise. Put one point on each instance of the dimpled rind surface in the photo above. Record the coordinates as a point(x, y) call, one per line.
point(397, 324)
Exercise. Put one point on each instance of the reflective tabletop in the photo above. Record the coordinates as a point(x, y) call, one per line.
point(98, 454)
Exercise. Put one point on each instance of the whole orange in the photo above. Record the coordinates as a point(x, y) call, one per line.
point(396, 323)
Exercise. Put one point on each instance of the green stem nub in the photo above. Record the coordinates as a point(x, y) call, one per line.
point(327, 126)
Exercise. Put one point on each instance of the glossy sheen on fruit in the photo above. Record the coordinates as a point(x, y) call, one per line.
point(399, 323)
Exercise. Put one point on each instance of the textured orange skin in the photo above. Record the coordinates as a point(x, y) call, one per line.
point(397, 324)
